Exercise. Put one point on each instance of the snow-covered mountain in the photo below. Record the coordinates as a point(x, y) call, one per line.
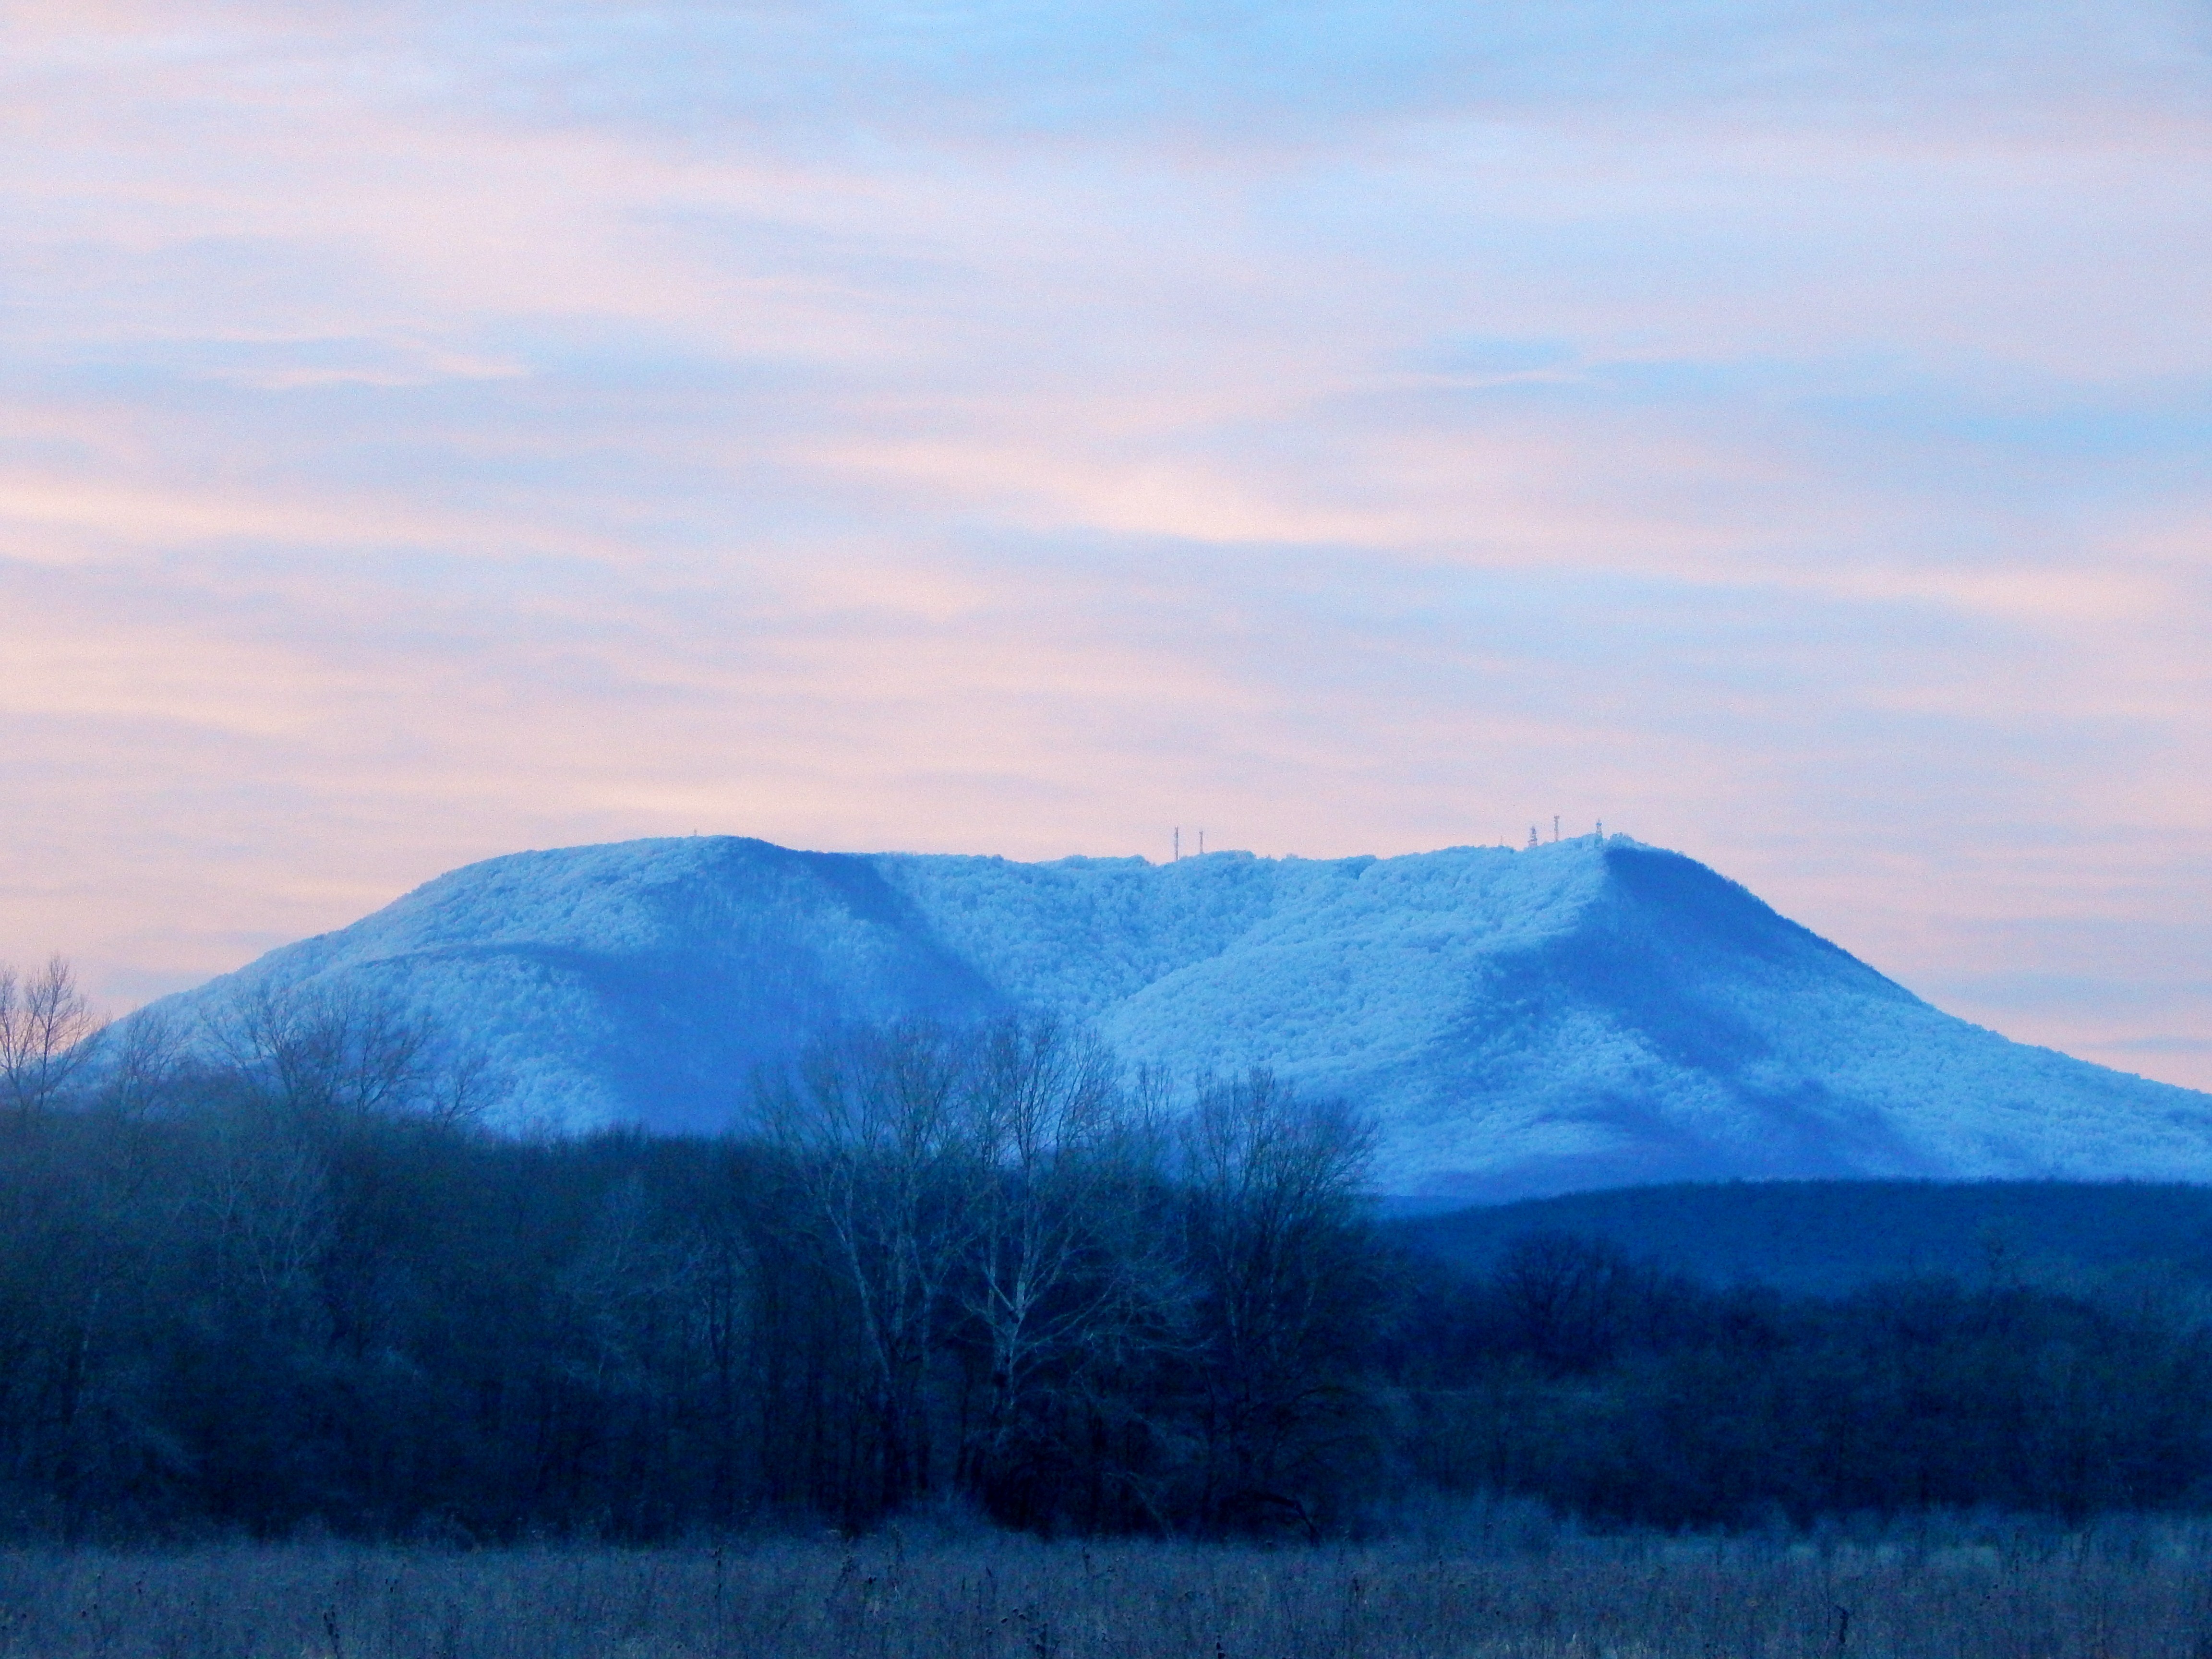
point(1571, 1016)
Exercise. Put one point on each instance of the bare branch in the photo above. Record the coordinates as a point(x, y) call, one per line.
point(47, 1033)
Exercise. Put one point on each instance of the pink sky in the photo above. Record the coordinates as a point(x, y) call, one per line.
point(1778, 432)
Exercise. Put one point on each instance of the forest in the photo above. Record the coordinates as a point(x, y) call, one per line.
point(275, 1277)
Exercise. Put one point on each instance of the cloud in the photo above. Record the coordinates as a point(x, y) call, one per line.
point(1774, 430)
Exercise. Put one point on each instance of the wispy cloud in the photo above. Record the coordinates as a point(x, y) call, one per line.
point(1774, 429)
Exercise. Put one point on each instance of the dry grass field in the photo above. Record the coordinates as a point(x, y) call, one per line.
point(2121, 1592)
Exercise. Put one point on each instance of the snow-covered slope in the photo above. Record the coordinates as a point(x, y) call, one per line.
point(1571, 1016)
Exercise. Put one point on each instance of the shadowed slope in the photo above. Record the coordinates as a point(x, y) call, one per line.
point(1831, 1236)
point(641, 982)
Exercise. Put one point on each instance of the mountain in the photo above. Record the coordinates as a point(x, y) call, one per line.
point(1578, 1015)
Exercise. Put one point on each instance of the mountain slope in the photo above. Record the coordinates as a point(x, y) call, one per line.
point(1832, 1237)
point(1571, 1016)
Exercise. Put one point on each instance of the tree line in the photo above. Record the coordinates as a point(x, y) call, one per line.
point(276, 1274)
point(1625, 1394)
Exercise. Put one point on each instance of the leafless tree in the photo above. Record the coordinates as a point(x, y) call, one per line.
point(1273, 1181)
point(47, 1032)
point(265, 1195)
point(344, 1051)
point(139, 1061)
point(1058, 1272)
point(1570, 1303)
point(875, 1134)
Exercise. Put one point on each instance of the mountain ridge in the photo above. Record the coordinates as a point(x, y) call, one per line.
point(1575, 1015)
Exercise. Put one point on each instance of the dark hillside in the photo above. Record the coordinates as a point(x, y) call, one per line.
point(1832, 1236)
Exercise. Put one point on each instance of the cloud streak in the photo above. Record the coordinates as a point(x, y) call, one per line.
point(1776, 431)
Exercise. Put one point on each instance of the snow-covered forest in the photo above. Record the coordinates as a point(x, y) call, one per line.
point(1591, 1012)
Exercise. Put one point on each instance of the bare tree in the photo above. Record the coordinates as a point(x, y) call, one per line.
point(47, 1032)
point(266, 1194)
point(1049, 1280)
point(874, 1134)
point(464, 1088)
point(140, 1059)
point(1572, 1303)
point(1276, 1239)
point(343, 1050)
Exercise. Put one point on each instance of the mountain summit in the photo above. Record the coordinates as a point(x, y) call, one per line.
point(1576, 1015)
